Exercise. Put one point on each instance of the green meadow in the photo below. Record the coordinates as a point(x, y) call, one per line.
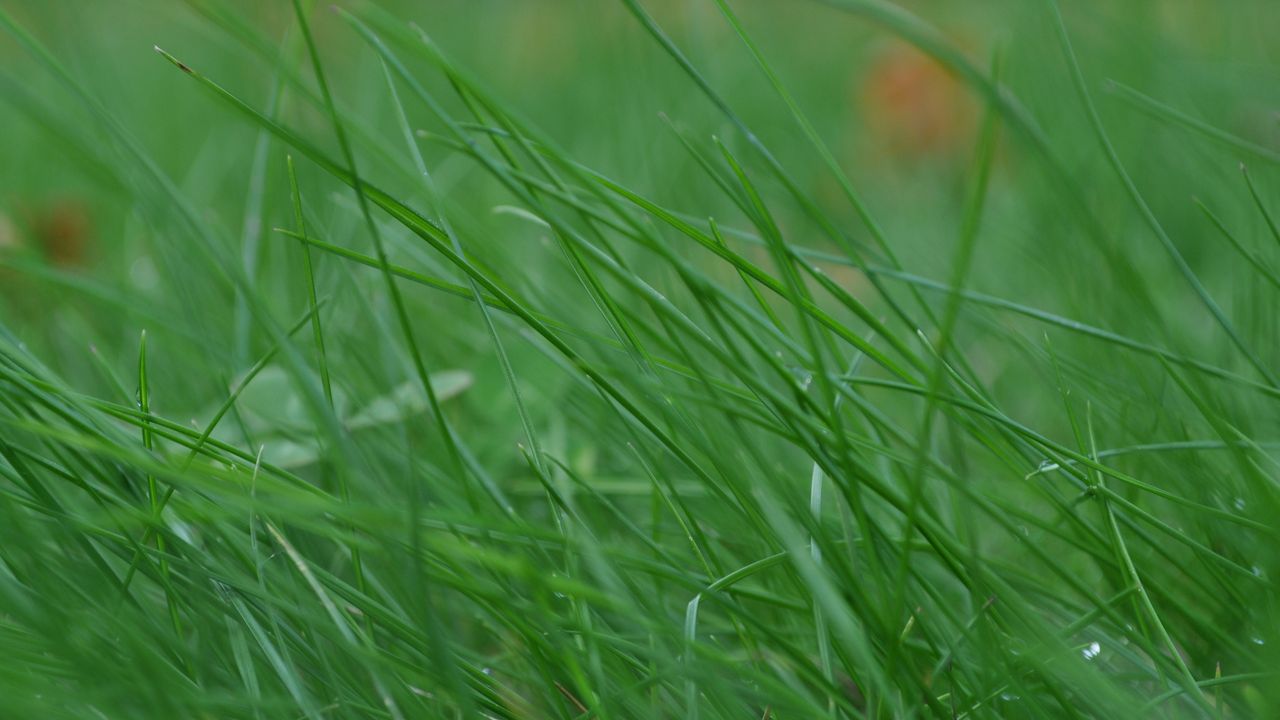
point(521, 359)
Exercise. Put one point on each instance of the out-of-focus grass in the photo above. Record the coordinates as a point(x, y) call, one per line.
point(803, 359)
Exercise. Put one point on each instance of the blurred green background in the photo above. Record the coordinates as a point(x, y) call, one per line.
point(587, 74)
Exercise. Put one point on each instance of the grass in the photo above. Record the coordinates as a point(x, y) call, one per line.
point(414, 365)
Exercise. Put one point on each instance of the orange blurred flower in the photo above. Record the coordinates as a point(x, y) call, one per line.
point(913, 108)
point(61, 231)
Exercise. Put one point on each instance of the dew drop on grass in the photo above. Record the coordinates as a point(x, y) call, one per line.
point(1091, 651)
